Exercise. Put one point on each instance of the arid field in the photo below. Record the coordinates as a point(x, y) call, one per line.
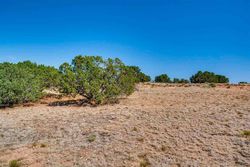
point(159, 126)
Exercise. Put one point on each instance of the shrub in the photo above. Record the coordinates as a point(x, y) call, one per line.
point(140, 76)
point(163, 78)
point(18, 85)
point(100, 81)
point(203, 77)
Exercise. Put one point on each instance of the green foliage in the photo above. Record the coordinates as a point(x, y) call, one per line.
point(163, 78)
point(209, 77)
point(18, 85)
point(176, 80)
point(49, 76)
point(68, 84)
point(140, 76)
point(99, 80)
point(221, 79)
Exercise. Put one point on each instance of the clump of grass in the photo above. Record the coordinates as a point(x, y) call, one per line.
point(34, 144)
point(211, 123)
point(212, 85)
point(245, 132)
point(43, 145)
point(92, 138)
point(163, 148)
point(14, 163)
point(140, 139)
point(240, 114)
point(144, 162)
point(135, 129)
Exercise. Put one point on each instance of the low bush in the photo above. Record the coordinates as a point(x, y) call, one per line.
point(100, 81)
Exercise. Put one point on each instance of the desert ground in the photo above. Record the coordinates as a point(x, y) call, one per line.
point(158, 125)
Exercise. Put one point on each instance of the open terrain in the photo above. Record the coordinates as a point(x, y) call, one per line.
point(158, 126)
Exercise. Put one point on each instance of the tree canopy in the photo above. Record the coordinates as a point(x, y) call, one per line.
point(100, 81)
point(209, 77)
point(163, 78)
point(140, 76)
point(18, 85)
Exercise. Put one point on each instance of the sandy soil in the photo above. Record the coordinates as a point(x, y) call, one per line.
point(157, 126)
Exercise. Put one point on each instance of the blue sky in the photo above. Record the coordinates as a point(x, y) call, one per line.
point(177, 37)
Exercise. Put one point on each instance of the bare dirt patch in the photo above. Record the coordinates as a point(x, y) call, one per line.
point(159, 125)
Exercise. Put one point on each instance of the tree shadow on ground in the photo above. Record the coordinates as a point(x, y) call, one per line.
point(78, 102)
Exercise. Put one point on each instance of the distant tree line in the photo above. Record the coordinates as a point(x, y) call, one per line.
point(242, 83)
point(164, 78)
point(199, 77)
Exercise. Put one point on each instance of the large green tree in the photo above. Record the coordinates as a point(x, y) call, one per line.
point(100, 81)
point(163, 78)
point(209, 77)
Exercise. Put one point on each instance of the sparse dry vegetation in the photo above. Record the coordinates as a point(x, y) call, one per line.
point(246, 133)
point(91, 138)
point(14, 163)
point(158, 125)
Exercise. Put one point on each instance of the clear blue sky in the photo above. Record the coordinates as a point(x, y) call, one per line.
point(177, 37)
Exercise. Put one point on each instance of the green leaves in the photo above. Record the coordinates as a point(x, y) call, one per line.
point(140, 76)
point(100, 81)
point(18, 85)
point(48, 76)
point(25, 81)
